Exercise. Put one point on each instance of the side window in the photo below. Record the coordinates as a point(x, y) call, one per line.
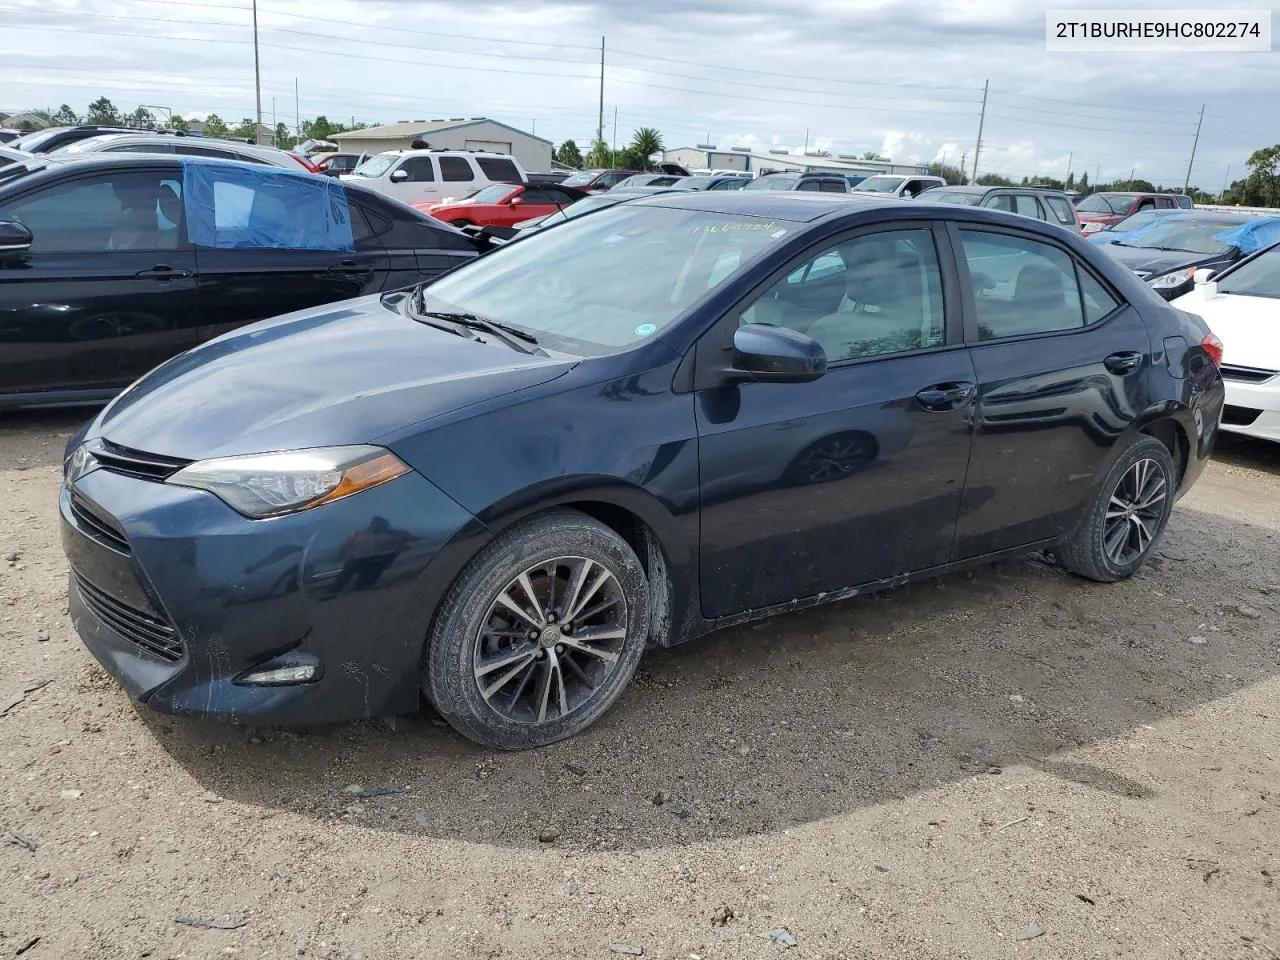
point(419, 169)
point(560, 198)
point(191, 151)
point(912, 188)
point(113, 211)
point(233, 206)
point(1026, 205)
point(1146, 204)
point(140, 148)
point(813, 185)
point(1098, 302)
point(456, 170)
point(833, 186)
point(532, 195)
point(1060, 208)
point(1164, 203)
point(1001, 201)
point(1021, 286)
point(875, 295)
point(613, 179)
point(498, 169)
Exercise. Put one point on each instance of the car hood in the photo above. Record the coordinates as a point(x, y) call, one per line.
point(1249, 327)
point(1149, 263)
point(340, 374)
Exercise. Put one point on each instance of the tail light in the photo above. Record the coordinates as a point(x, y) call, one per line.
point(1213, 347)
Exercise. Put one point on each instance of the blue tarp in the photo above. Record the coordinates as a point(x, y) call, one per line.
point(236, 206)
point(1252, 236)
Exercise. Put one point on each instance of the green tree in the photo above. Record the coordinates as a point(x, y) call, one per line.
point(246, 129)
point(284, 140)
point(600, 155)
point(994, 180)
point(872, 155)
point(645, 142)
point(176, 122)
point(141, 119)
point(1083, 183)
point(103, 111)
point(319, 129)
point(569, 154)
point(214, 127)
point(948, 173)
point(1071, 181)
point(65, 117)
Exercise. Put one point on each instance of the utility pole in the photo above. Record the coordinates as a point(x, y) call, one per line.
point(963, 157)
point(297, 111)
point(257, 75)
point(1194, 143)
point(600, 123)
point(806, 140)
point(1225, 178)
point(1131, 172)
point(615, 134)
point(982, 117)
point(1070, 157)
point(274, 126)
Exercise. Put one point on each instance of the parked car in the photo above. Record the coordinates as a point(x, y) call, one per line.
point(8, 156)
point(8, 136)
point(504, 204)
point(183, 146)
point(1133, 221)
point(854, 179)
point(652, 180)
point(735, 181)
point(1239, 304)
point(51, 138)
point(1167, 252)
point(557, 176)
point(1100, 210)
point(898, 185)
point(336, 164)
point(434, 176)
point(316, 148)
point(814, 182)
point(111, 264)
point(490, 490)
point(586, 205)
point(1051, 206)
point(596, 181)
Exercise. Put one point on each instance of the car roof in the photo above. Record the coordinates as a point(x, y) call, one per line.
point(798, 206)
point(445, 152)
point(47, 168)
point(966, 188)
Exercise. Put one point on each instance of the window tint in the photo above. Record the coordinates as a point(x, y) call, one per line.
point(1146, 204)
point(534, 195)
point(140, 148)
point(496, 168)
point(361, 229)
point(1060, 208)
point(419, 169)
point(1164, 203)
point(115, 211)
point(1001, 201)
point(234, 206)
point(1098, 302)
point(1021, 286)
point(834, 186)
point(1026, 205)
point(875, 295)
point(193, 151)
point(813, 185)
point(560, 198)
point(455, 170)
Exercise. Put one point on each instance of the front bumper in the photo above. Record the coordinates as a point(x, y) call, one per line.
point(1253, 409)
point(177, 596)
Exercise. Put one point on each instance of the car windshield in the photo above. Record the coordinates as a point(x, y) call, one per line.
point(1107, 204)
point(1260, 277)
point(966, 198)
point(772, 183)
point(1187, 233)
point(494, 193)
point(581, 177)
point(659, 261)
point(1134, 221)
point(881, 184)
point(376, 166)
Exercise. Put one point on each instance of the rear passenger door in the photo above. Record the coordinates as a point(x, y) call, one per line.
point(419, 183)
point(268, 244)
point(458, 178)
point(1061, 366)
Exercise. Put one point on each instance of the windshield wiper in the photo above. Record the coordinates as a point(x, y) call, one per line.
point(513, 337)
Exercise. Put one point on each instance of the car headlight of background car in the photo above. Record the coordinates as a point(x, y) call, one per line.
point(1168, 281)
point(261, 485)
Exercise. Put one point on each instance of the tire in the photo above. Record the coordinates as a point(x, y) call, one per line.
point(1107, 548)
point(531, 676)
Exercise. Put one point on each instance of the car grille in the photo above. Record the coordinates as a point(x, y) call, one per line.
point(1239, 416)
point(135, 463)
point(1246, 374)
point(148, 633)
point(97, 526)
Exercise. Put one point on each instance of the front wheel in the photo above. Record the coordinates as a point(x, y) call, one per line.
point(1127, 517)
point(540, 634)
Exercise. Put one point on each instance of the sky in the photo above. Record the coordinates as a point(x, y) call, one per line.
point(903, 78)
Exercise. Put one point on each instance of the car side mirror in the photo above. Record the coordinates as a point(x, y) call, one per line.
point(15, 238)
point(516, 202)
point(1203, 275)
point(400, 176)
point(776, 355)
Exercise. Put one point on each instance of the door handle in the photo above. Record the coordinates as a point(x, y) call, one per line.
point(945, 396)
point(162, 271)
point(1126, 361)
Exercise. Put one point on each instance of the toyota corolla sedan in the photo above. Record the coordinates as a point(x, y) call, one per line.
point(677, 414)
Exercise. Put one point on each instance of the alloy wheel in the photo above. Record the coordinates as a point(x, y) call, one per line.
point(1134, 512)
point(551, 639)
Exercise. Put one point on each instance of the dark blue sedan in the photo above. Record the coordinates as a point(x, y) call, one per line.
point(673, 415)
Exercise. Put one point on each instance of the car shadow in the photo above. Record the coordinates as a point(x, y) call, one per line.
point(1241, 451)
point(807, 716)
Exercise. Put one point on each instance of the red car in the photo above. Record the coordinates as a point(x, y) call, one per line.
point(504, 204)
point(1101, 210)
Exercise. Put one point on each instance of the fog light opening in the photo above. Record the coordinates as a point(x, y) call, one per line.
point(282, 673)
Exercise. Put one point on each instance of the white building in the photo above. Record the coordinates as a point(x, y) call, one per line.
point(476, 133)
point(780, 160)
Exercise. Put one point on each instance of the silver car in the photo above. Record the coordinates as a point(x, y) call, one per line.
point(185, 145)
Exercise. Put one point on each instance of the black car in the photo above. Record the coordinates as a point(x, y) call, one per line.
point(679, 413)
point(8, 136)
point(51, 138)
point(1051, 206)
point(1167, 252)
point(814, 182)
point(102, 277)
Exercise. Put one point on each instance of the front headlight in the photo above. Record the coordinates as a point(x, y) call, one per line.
point(261, 485)
point(1167, 281)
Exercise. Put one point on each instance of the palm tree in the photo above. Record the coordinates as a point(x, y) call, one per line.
point(872, 155)
point(646, 142)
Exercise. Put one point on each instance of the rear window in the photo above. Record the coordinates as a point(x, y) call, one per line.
point(498, 168)
point(455, 170)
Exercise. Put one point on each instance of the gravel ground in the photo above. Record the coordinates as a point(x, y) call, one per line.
point(1007, 763)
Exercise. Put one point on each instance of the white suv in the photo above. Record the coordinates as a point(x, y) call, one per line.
point(898, 186)
point(434, 176)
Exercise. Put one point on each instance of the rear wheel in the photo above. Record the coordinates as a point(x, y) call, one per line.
point(540, 634)
point(1128, 516)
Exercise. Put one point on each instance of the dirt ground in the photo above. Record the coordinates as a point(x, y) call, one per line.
point(1010, 763)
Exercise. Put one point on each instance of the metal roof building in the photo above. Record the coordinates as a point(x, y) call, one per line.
point(779, 160)
point(459, 133)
